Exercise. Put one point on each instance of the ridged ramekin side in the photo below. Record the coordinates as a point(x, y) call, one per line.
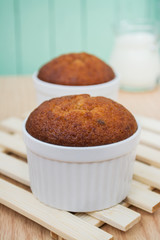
point(80, 187)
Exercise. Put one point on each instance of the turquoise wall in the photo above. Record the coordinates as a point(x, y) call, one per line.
point(34, 31)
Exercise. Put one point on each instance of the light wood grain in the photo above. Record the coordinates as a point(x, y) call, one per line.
point(14, 168)
point(147, 174)
point(12, 143)
point(60, 222)
point(148, 155)
point(148, 229)
point(118, 216)
point(12, 125)
point(17, 96)
point(149, 123)
point(143, 198)
point(94, 221)
point(150, 139)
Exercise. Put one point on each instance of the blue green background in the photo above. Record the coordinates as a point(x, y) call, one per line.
point(34, 31)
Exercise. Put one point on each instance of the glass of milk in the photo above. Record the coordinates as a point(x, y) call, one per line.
point(135, 57)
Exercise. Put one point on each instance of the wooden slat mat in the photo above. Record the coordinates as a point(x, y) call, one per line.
point(80, 226)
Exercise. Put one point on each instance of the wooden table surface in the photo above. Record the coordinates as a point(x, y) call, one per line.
point(17, 96)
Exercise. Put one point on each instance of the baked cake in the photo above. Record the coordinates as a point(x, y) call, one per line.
point(81, 121)
point(76, 69)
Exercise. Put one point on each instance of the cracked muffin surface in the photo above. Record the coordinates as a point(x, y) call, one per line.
point(81, 121)
point(76, 69)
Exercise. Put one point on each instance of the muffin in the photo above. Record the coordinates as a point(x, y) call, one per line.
point(75, 73)
point(81, 121)
point(76, 69)
point(81, 152)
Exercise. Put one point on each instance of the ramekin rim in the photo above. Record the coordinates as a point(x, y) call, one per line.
point(60, 86)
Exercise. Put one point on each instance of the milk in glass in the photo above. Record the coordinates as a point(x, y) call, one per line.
point(135, 57)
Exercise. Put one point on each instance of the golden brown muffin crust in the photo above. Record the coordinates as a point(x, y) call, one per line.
point(76, 69)
point(80, 121)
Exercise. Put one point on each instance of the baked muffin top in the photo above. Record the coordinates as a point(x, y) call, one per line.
point(81, 121)
point(76, 69)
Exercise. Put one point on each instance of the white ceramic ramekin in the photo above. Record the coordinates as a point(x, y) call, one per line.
point(80, 179)
point(46, 91)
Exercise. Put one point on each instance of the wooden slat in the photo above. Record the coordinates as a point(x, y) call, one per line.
point(12, 143)
point(91, 220)
point(145, 199)
point(147, 174)
point(140, 185)
point(14, 168)
point(12, 124)
point(149, 138)
point(63, 223)
point(150, 123)
point(148, 155)
point(94, 221)
point(118, 216)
